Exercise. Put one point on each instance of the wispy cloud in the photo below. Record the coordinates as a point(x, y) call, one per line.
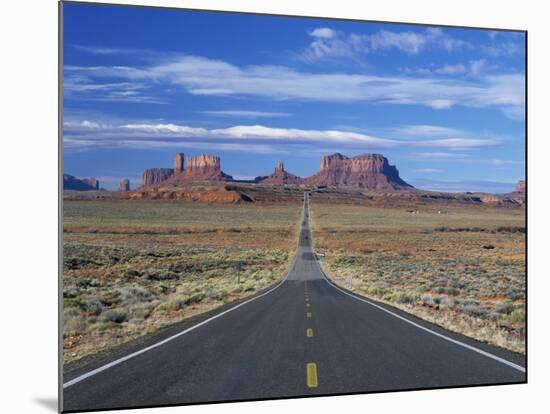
point(437, 155)
point(81, 86)
point(91, 134)
point(329, 43)
point(472, 68)
point(208, 77)
point(101, 50)
point(427, 131)
point(462, 158)
point(246, 114)
point(427, 170)
point(481, 186)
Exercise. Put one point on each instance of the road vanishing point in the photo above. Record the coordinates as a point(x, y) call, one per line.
point(303, 337)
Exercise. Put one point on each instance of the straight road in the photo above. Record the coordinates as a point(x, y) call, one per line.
point(305, 337)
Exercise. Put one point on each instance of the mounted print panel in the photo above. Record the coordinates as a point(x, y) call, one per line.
point(260, 207)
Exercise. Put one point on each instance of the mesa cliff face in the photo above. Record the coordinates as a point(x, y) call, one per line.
point(520, 187)
point(205, 168)
point(281, 177)
point(70, 182)
point(124, 185)
point(179, 163)
point(199, 168)
point(153, 176)
point(370, 171)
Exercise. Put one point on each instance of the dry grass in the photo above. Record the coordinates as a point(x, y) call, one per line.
point(463, 269)
point(132, 267)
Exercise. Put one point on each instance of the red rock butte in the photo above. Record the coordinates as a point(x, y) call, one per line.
point(154, 176)
point(520, 187)
point(200, 168)
point(281, 177)
point(371, 171)
point(124, 185)
point(79, 184)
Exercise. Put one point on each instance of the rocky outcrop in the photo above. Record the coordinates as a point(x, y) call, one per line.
point(85, 184)
point(124, 185)
point(214, 193)
point(370, 171)
point(281, 177)
point(520, 187)
point(179, 163)
point(199, 168)
point(205, 167)
point(154, 176)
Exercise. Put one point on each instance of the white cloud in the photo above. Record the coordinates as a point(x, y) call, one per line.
point(330, 43)
point(322, 32)
point(201, 76)
point(246, 114)
point(437, 155)
point(483, 186)
point(428, 170)
point(100, 50)
point(408, 42)
point(451, 69)
point(89, 134)
point(463, 158)
point(427, 130)
point(473, 68)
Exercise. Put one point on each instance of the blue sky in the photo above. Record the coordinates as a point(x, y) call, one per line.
point(444, 105)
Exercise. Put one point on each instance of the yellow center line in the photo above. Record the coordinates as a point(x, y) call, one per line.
point(309, 332)
point(308, 305)
point(308, 314)
point(312, 375)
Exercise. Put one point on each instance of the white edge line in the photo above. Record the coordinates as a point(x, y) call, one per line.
point(142, 351)
point(454, 341)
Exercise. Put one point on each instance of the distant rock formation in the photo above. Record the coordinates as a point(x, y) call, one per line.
point(281, 177)
point(179, 163)
point(154, 176)
point(200, 168)
point(370, 171)
point(85, 184)
point(216, 192)
point(124, 185)
point(520, 187)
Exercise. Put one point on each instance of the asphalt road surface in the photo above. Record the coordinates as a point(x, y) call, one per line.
point(304, 337)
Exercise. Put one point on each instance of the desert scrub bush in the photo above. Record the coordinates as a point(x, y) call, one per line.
point(404, 298)
point(427, 300)
point(447, 302)
point(161, 275)
point(505, 308)
point(249, 285)
point(141, 311)
point(514, 293)
point(134, 294)
point(516, 317)
point(114, 315)
point(175, 303)
point(103, 326)
point(73, 322)
point(215, 294)
point(474, 310)
point(91, 306)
